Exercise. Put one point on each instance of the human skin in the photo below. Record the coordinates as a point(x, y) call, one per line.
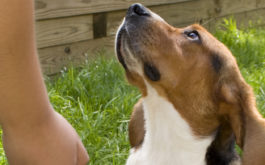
point(33, 133)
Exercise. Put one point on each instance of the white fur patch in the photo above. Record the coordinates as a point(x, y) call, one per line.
point(169, 139)
point(157, 17)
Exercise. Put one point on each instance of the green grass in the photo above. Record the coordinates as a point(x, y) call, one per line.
point(97, 101)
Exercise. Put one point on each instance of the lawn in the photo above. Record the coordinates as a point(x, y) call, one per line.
point(97, 101)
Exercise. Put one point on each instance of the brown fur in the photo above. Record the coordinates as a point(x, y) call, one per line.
point(247, 123)
point(181, 81)
point(136, 125)
point(202, 81)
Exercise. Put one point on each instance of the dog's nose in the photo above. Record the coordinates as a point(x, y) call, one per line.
point(138, 10)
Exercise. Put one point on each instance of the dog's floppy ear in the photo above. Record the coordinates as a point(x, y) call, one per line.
point(236, 102)
point(136, 125)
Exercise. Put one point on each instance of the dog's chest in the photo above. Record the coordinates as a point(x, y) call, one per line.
point(169, 139)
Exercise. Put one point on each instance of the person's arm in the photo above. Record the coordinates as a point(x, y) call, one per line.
point(33, 133)
point(22, 90)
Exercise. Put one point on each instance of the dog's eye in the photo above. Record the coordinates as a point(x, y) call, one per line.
point(192, 35)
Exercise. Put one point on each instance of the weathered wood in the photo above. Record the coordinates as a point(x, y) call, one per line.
point(256, 17)
point(260, 3)
point(114, 19)
point(225, 7)
point(55, 58)
point(176, 14)
point(185, 12)
point(62, 8)
point(71, 34)
point(64, 30)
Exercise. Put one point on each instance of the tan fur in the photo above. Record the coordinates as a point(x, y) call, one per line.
point(247, 123)
point(136, 125)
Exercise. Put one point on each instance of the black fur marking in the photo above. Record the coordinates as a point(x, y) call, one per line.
point(222, 150)
point(151, 72)
point(118, 49)
point(217, 63)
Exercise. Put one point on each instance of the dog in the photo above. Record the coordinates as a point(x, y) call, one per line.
point(195, 103)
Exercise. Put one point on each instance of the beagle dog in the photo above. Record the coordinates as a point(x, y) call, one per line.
point(195, 103)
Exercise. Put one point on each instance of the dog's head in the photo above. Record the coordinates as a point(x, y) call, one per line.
point(187, 66)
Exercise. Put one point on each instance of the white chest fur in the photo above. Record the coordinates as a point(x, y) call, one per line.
point(169, 139)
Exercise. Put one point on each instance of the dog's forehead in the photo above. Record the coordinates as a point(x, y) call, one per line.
point(196, 27)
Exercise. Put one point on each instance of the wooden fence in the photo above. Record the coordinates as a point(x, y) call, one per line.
point(70, 31)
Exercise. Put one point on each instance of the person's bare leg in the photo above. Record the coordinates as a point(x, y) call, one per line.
point(33, 133)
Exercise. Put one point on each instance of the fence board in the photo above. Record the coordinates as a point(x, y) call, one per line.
point(114, 19)
point(175, 14)
point(53, 59)
point(65, 27)
point(260, 3)
point(243, 19)
point(62, 8)
point(184, 13)
point(255, 16)
point(225, 7)
point(64, 30)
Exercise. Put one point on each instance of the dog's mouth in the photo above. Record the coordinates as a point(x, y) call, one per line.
point(125, 50)
point(119, 40)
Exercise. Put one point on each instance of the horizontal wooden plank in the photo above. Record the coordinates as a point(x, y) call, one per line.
point(255, 17)
point(175, 14)
point(54, 59)
point(64, 30)
point(61, 8)
point(243, 19)
point(225, 7)
point(114, 19)
point(184, 13)
point(71, 34)
point(260, 3)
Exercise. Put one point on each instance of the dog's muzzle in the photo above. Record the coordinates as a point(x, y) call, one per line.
point(130, 30)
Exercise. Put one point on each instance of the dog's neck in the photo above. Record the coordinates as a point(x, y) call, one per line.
point(169, 138)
